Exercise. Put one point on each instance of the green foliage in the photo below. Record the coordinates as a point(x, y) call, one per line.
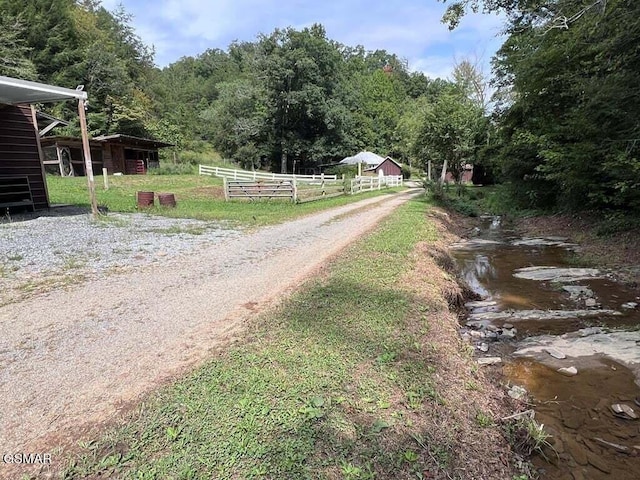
point(14, 60)
point(449, 129)
point(569, 132)
point(174, 169)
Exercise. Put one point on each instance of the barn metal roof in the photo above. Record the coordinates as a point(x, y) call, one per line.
point(368, 158)
point(14, 91)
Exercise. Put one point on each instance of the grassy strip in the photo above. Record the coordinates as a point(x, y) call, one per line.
point(336, 383)
point(199, 197)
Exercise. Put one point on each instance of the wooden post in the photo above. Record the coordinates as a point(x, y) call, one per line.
point(105, 177)
point(359, 168)
point(226, 189)
point(34, 118)
point(88, 168)
point(295, 190)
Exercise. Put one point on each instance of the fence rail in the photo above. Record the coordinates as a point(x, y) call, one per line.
point(367, 184)
point(296, 191)
point(246, 175)
point(234, 189)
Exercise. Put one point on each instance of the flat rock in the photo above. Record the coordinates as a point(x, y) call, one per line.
point(576, 450)
point(597, 462)
point(620, 346)
point(543, 242)
point(555, 353)
point(611, 445)
point(568, 371)
point(517, 315)
point(483, 347)
point(489, 360)
point(476, 242)
point(630, 305)
point(572, 419)
point(516, 392)
point(477, 324)
point(481, 304)
point(557, 274)
point(578, 291)
point(507, 325)
point(508, 333)
point(577, 475)
point(624, 411)
point(590, 302)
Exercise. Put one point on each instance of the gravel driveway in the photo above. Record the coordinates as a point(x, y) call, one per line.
point(73, 357)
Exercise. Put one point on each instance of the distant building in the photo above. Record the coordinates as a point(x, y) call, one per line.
point(374, 164)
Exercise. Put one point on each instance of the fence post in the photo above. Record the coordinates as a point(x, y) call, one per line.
point(226, 189)
point(294, 194)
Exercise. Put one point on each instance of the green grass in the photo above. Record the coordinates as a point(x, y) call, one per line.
point(199, 197)
point(329, 385)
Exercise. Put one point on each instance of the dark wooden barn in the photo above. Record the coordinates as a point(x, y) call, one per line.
point(21, 171)
point(388, 167)
point(22, 178)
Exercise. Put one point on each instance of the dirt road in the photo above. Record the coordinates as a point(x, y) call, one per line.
point(71, 359)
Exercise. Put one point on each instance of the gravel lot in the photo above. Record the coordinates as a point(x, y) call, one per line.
point(71, 358)
point(37, 253)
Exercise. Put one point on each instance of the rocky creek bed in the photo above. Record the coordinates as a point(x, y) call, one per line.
point(567, 340)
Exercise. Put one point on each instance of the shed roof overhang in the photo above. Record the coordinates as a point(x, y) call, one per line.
point(131, 141)
point(14, 91)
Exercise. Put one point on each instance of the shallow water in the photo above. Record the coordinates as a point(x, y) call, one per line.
point(575, 410)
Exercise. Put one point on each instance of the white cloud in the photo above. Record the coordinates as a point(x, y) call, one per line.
point(411, 29)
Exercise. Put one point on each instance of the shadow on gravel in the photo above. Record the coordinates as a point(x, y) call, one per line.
point(54, 211)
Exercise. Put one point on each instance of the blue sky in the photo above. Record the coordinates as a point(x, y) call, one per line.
point(409, 28)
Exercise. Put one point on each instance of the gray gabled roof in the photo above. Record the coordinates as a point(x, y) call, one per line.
point(368, 158)
point(14, 91)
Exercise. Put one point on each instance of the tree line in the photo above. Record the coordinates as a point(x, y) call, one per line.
point(567, 124)
point(560, 131)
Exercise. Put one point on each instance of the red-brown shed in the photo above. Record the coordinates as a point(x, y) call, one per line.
point(388, 166)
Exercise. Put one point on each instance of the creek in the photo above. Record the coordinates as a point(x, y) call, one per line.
point(547, 318)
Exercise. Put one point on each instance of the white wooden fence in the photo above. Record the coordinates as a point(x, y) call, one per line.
point(369, 183)
point(246, 175)
point(280, 189)
point(296, 191)
point(250, 190)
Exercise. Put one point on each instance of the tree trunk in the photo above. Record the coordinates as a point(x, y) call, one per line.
point(443, 175)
